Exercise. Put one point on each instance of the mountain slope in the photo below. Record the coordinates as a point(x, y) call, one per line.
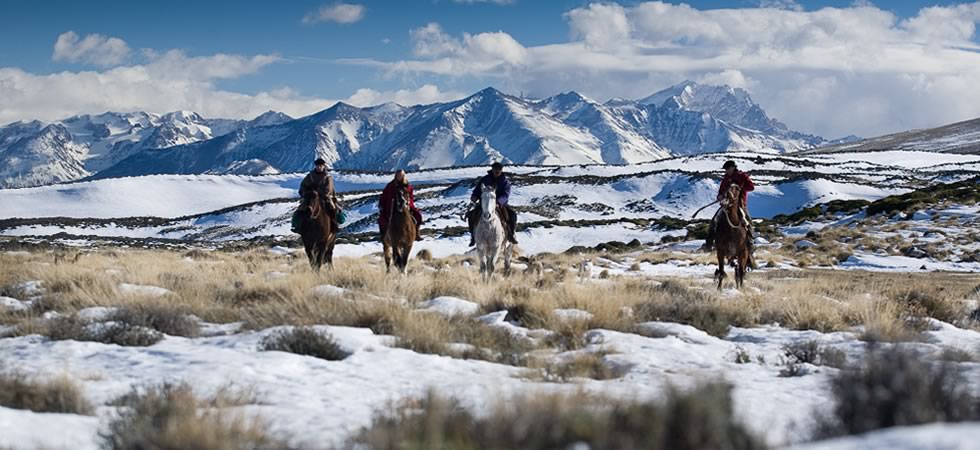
point(960, 137)
point(486, 126)
point(35, 153)
point(489, 125)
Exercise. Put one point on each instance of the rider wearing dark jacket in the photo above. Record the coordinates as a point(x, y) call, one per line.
point(495, 177)
point(321, 182)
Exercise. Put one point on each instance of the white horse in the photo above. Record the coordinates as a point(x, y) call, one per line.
point(491, 238)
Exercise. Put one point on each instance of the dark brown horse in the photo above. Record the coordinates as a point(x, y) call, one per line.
point(401, 232)
point(318, 231)
point(731, 238)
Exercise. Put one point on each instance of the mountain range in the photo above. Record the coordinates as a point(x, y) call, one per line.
point(568, 128)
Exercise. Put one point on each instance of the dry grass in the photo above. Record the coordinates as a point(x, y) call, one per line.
point(56, 395)
point(264, 289)
point(173, 417)
point(579, 365)
point(699, 419)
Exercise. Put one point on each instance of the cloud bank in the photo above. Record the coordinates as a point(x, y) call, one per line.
point(833, 71)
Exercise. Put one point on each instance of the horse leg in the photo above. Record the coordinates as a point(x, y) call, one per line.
point(387, 252)
point(721, 269)
point(743, 264)
point(321, 255)
point(491, 264)
point(405, 254)
point(329, 252)
point(508, 252)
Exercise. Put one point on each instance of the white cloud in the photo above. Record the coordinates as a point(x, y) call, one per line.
point(92, 49)
point(885, 74)
point(337, 12)
point(406, 97)
point(168, 81)
point(602, 26)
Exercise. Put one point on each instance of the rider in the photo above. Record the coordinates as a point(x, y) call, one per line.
point(320, 181)
point(388, 195)
point(494, 177)
point(732, 175)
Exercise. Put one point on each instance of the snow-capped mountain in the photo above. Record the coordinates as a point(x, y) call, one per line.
point(690, 118)
point(36, 153)
point(489, 125)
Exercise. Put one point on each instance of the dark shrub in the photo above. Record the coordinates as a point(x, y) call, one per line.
point(304, 341)
point(75, 328)
point(167, 319)
point(896, 387)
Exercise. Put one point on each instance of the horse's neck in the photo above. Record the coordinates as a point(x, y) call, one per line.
point(734, 214)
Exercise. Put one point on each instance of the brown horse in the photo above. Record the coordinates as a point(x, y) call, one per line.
point(318, 231)
point(401, 232)
point(731, 237)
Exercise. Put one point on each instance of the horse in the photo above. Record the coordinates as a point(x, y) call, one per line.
point(490, 235)
point(317, 231)
point(401, 232)
point(731, 238)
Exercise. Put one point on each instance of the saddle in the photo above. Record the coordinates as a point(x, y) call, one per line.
point(472, 216)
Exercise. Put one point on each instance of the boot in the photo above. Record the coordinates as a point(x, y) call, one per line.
point(418, 236)
point(295, 222)
point(708, 245)
point(709, 242)
point(510, 236)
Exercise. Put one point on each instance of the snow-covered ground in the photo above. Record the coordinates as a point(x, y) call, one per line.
point(218, 208)
point(319, 403)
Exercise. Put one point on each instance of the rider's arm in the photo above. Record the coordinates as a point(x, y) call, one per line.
point(504, 192)
point(747, 184)
point(477, 192)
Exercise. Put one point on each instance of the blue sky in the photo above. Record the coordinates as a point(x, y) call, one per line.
point(626, 49)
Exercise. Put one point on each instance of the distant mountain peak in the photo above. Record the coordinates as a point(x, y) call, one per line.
point(182, 116)
point(270, 117)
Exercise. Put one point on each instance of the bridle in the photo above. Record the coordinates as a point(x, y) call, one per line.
point(313, 204)
point(732, 197)
point(399, 198)
point(489, 196)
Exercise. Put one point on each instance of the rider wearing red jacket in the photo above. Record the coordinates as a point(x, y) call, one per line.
point(732, 175)
point(387, 198)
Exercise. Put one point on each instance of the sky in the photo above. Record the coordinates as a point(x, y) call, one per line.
point(832, 68)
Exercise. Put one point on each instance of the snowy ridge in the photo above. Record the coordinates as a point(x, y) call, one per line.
point(489, 125)
point(960, 137)
point(604, 200)
point(36, 153)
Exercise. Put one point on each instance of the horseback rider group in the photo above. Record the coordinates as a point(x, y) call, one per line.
point(320, 181)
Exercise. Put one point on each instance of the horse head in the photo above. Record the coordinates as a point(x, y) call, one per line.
point(733, 197)
point(311, 202)
point(401, 199)
point(488, 201)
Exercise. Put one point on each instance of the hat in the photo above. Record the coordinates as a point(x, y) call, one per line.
point(496, 165)
point(728, 164)
point(319, 161)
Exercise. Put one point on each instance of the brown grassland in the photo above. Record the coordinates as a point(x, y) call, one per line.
point(263, 289)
